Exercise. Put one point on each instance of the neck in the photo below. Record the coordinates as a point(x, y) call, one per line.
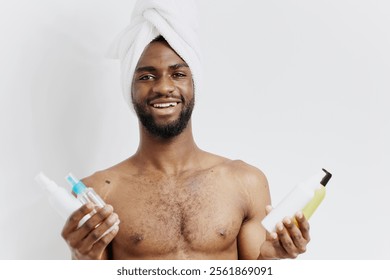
point(170, 156)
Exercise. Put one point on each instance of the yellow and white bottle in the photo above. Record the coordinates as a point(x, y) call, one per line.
point(305, 197)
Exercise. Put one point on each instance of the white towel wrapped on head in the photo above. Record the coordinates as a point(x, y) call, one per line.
point(175, 20)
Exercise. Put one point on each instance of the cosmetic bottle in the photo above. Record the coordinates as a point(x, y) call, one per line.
point(60, 199)
point(305, 197)
point(85, 195)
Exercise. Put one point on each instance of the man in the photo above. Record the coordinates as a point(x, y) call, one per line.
point(174, 200)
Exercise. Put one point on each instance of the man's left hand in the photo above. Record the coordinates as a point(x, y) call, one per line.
point(289, 240)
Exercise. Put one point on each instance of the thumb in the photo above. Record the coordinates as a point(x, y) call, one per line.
point(268, 209)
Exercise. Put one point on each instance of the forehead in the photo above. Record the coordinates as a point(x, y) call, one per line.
point(159, 53)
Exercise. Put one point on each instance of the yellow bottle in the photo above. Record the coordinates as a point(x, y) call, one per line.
point(319, 196)
point(305, 197)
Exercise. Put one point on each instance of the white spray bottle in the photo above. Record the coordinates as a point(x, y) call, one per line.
point(60, 199)
point(65, 203)
point(305, 197)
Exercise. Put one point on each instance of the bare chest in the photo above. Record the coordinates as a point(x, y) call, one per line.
point(161, 217)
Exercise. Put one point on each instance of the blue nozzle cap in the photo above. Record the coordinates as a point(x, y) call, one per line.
point(77, 186)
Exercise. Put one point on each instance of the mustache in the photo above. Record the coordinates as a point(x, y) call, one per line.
point(160, 95)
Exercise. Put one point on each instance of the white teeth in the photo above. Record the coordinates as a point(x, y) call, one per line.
point(165, 105)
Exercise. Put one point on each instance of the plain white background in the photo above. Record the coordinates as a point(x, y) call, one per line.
point(290, 87)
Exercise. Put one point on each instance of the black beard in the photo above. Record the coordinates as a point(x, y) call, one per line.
point(169, 130)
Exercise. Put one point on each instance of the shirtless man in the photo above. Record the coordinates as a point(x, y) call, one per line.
point(174, 200)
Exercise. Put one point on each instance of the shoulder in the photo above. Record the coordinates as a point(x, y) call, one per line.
point(251, 183)
point(96, 180)
point(103, 181)
point(99, 181)
point(235, 167)
point(248, 175)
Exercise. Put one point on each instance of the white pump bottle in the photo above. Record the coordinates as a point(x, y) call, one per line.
point(305, 197)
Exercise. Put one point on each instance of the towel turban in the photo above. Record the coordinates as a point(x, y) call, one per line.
point(175, 20)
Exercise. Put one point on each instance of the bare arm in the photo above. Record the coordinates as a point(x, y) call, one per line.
point(252, 235)
point(254, 242)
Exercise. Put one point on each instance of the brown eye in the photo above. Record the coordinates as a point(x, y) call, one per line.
point(146, 77)
point(179, 75)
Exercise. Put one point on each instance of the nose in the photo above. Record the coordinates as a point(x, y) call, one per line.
point(164, 85)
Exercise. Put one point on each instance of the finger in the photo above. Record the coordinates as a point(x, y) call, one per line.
point(273, 236)
point(76, 238)
point(95, 235)
point(268, 209)
point(303, 225)
point(295, 235)
point(96, 219)
point(286, 241)
point(74, 219)
point(100, 246)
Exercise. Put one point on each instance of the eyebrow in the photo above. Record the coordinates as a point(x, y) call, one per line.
point(153, 69)
point(178, 65)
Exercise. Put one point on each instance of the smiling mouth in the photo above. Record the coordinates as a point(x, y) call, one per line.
point(164, 105)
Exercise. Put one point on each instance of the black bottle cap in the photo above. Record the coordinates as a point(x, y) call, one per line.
point(326, 178)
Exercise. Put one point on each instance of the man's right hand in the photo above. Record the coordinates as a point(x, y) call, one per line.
point(86, 242)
